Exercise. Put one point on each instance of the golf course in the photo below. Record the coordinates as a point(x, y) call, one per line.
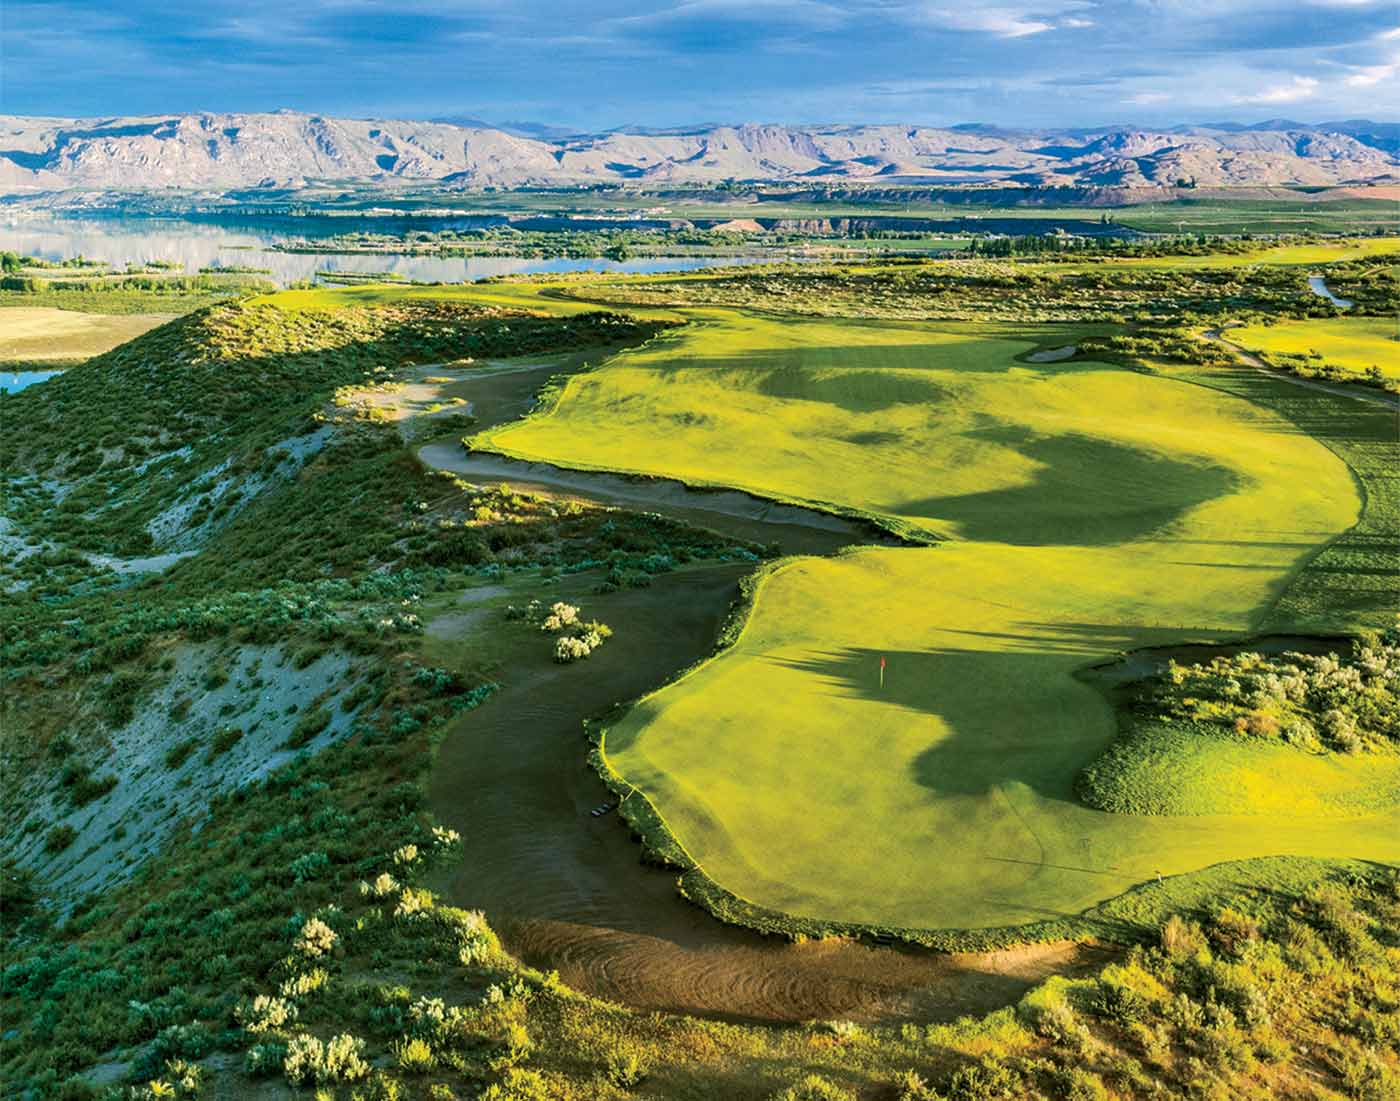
point(1355, 344)
point(893, 739)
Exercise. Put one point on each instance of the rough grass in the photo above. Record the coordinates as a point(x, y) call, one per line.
point(1188, 769)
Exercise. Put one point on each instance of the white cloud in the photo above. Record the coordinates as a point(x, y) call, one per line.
point(1147, 99)
point(1299, 88)
point(1004, 22)
point(1076, 23)
point(1363, 76)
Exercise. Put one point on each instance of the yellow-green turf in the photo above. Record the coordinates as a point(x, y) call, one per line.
point(1319, 252)
point(1091, 509)
point(1355, 343)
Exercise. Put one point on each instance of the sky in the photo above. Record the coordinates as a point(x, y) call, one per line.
point(617, 63)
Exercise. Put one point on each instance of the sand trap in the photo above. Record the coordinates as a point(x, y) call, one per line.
point(1052, 355)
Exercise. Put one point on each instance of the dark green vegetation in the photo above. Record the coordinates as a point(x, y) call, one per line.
point(1261, 282)
point(1215, 213)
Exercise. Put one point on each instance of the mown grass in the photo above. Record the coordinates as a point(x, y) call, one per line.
point(1183, 769)
point(1356, 344)
point(1095, 510)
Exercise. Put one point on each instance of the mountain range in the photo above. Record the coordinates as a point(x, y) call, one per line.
point(288, 149)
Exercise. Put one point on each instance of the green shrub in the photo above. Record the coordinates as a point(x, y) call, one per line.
point(414, 1055)
point(59, 838)
point(224, 740)
point(813, 1087)
point(308, 726)
point(180, 752)
point(625, 1069)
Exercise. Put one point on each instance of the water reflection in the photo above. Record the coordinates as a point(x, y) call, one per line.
point(119, 241)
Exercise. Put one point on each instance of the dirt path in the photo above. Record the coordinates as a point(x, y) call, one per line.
point(568, 891)
point(1249, 359)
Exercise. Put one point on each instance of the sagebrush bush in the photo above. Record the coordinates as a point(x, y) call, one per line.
point(339, 1059)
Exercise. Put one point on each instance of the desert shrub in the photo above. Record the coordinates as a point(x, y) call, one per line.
point(987, 1080)
point(911, 1086)
point(1346, 701)
point(310, 724)
point(1079, 1084)
point(339, 1059)
point(224, 740)
point(813, 1087)
point(265, 1013)
point(316, 939)
point(1231, 931)
point(414, 1055)
point(180, 752)
point(308, 866)
point(84, 788)
point(308, 982)
point(519, 1084)
point(625, 1068)
point(1047, 1009)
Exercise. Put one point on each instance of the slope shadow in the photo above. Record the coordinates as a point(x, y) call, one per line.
point(1086, 491)
point(1008, 717)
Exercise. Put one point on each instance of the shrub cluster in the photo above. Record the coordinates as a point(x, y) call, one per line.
point(1346, 703)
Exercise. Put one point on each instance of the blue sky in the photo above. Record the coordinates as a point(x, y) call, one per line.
point(615, 63)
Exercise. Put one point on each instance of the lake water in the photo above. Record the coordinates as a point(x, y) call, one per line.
point(1319, 286)
point(119, 241)
point(12, 381)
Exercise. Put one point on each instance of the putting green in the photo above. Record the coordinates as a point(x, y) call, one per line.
point(1090, 509)
point(1355, 343)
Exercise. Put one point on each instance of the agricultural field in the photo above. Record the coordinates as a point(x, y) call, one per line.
point(45, 333)
point(353, 637)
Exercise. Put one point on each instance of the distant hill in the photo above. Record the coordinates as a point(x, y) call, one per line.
point(287, 149)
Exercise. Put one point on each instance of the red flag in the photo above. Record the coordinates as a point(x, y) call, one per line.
point(882, 663)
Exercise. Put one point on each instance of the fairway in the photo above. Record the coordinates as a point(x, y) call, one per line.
point(1079, 510)
point(946, 798)
point(940, 429)
point(1356, 343)
point(1320, 252)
